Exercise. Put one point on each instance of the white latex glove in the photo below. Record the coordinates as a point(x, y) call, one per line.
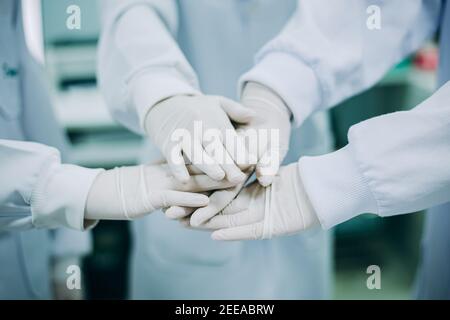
point(270, 113)
point(218, 200)
point(132, 192)
point(262, 213)
point(59, 278)
point(187, 112)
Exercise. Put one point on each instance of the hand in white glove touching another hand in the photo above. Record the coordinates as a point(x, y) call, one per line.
point(272, 116)
point(262, 213)
point(218, 200)
point(132, 192)
point(171, 124)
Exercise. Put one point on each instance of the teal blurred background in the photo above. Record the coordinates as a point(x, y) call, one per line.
point(391, 243)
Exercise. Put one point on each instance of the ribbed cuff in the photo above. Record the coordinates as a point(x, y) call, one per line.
point(154, 86)
point(292, 80)
point(337, 189)
point(59, 198)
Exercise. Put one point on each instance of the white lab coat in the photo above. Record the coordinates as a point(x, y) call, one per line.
point(151, 50)
point(26, 115)
point(36, 190)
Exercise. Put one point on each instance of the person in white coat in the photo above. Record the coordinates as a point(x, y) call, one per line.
point(393, 164)
point(38, 192)
point(33, 262)
point(159, 62)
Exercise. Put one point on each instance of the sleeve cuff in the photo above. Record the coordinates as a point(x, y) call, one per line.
point(149, 88)
point(295, 82)
point(59, 198)
point(336, 188)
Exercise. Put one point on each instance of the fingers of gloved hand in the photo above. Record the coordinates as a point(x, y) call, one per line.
point(199, 157)
point(248, 232)
point(203, 183)
point(245, 145)
point(233, 173)
point(231, 220)
point(217, 202)
point(218, 152)
point(235, 145)
point(179, 213)
point(236, 111)
point(169, 198)
point(193, 170)
point(239, 204)
point(186, 223)
point(267, 167)
point(175, 160)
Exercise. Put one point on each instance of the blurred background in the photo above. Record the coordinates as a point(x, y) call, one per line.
point(392, 243)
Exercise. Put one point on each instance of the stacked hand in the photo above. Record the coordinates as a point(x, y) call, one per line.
point(210, 193)
point(275, 205)
point(199, 128)
point(272, 122)
point(270, 118)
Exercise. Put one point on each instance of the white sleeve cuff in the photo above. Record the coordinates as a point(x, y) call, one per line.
point(336, 188)
point(295, 82)
point(59, 198)
point(149, 88)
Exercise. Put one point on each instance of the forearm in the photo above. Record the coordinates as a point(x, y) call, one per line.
point(49, 193)
point(326, 53)
point(394, 164)
point(140, 62)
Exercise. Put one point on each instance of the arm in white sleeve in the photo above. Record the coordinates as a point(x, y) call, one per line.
point(394, 164)
point(140, 63)
point(327, 53)
point(36, 190)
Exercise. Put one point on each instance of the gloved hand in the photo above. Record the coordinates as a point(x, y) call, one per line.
point(218, 200)
point(180, 118)
point(132, 192)
point(59, 278)
point(262, 213)
point(270, 114)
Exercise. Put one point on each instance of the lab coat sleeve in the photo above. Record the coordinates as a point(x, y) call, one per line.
point(394, 164)
point(38, 191)
point(331, 50)
point(140, 63)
